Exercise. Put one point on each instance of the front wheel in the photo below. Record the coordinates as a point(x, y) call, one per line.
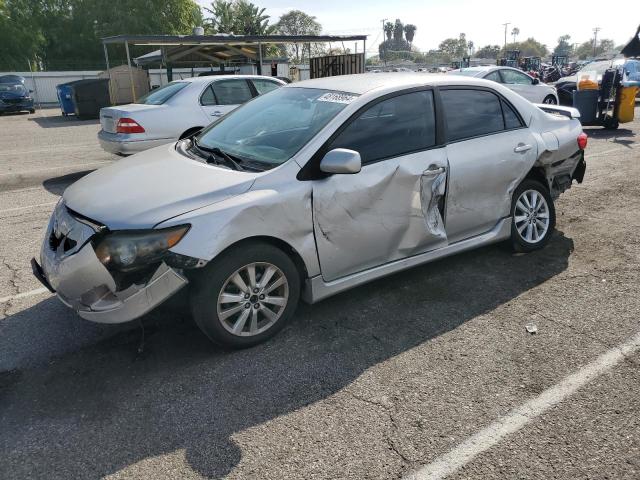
point(246, 295)
point(550, 100)
point(533, 216)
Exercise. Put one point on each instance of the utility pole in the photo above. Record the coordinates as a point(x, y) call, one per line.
point(384, 45)
point(595, 39)
point(505, 36)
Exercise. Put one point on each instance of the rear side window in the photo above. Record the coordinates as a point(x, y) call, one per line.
point(494, 76)
point(511, 119)
point(231, 92)
point(393, 127)
point(470, 113)
point(162, 94)
point(264, 86)
point(208, 98)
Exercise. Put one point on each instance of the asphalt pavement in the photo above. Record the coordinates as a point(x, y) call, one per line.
point(430, 373)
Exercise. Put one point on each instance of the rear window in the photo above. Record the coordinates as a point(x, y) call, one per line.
point(162, 94)
point(471, 113)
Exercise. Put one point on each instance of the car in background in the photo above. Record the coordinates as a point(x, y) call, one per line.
point(518, 81)
point(312, 189)
point(567, 85)
point(15, 97)
point(177, 110)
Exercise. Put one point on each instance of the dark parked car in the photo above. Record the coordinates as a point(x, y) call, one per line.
point(14, 97)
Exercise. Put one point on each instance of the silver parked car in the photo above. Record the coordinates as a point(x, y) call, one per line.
point(515, 79)
point(309, 190)
point(177, 110)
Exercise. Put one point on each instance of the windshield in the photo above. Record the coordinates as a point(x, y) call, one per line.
point(273, 127)
point(18, 89)
point(162, 94)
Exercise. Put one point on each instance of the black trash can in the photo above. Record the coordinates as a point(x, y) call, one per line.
point(586, 101)
point(89, 96)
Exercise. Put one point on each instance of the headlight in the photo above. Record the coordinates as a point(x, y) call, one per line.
point(130, 250)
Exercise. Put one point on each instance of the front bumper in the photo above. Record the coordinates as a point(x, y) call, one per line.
point(124, 144)
point(26, 105)
point(85, 285)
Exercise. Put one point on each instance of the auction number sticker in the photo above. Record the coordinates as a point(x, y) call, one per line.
point(336, 97)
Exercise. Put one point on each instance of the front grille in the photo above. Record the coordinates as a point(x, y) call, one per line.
point(12, 101)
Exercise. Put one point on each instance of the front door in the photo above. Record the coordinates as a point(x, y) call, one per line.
point(489, 151)
point(222, 96)
point(393, 208)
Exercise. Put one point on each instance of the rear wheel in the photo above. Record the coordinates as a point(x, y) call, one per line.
point(550, 100)
point(246, 296)
point(533, 216)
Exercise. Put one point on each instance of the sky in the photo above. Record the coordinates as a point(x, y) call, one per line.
point(481, 20)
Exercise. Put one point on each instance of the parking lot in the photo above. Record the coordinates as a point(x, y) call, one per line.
point(430, 372)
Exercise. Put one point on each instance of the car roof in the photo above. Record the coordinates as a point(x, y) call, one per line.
point(209, 78)
point(364, 82)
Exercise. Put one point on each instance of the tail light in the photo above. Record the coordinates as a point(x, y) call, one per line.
point(128, 125)
point(582, 141)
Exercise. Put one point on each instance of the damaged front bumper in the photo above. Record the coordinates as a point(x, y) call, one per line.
point(70, 268)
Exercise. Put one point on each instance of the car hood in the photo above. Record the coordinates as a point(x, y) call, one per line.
point(151, 187)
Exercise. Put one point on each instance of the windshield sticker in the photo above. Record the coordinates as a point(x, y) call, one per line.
point(337, 97)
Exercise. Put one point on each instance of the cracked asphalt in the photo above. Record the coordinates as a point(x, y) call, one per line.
point(371, 384)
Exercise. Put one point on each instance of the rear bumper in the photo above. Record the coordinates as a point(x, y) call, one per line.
point(124, 144)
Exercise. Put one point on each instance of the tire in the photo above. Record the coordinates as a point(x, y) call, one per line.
point(33, 110)
point(216, 279)
point(550, 100)
point(533, 231)
point(190, 133)
point(610, 123)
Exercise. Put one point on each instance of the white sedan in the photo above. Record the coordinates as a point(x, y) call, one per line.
point(177, 110)
point(518, 81)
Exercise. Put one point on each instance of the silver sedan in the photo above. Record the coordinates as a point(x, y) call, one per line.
point(309, 190)
point(177, 110)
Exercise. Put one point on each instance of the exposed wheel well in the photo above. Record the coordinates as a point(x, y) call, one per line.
point(537, 173)
point(190, 132)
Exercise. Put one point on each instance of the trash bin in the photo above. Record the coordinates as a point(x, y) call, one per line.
point(89, 96)
point(65, 97)
point(586, 101)
point(627, 104)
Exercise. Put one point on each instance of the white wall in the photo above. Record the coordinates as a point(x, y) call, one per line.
point(44, 84)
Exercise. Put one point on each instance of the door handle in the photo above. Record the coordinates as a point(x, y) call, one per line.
point(216, 114)
point(433, 171)
point(521, 147)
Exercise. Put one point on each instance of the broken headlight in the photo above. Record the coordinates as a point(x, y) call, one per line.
point(129, 250)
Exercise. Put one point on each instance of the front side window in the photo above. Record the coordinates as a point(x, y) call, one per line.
point(231, 92)
point(162, 94)
point(470, 113)
point(264, 86)
point(513, 77)
point(393, 127)
point(272, 128)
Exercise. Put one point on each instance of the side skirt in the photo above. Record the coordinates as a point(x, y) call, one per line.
point(317, 289)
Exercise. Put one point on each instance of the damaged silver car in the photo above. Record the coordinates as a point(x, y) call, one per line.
point(309, 190)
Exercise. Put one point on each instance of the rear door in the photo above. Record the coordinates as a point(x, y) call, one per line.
point(520, 83)
point(222, 96)
point(489, 150)
point(392, 208)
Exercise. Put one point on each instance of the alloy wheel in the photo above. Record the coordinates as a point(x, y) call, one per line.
point(531, 216)
point(252, 299)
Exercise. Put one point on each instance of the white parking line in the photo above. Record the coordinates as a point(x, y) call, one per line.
point(517, 418)
point(27, 206)
point(30, 293)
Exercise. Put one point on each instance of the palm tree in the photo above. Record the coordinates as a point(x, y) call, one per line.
point(388, 30)
point(514, 33)
point(470, 47)
point(409, 32)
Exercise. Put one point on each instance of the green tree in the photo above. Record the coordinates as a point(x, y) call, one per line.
point(585, 50)
point(21, 38)
point(529, 48)
point(398, 31)
point(238, 17)
point(388, 30)
point(455, 47)
point(488, 51)
point(297, 22)
point(409, 32)
point(514, 33)
point(563, 47)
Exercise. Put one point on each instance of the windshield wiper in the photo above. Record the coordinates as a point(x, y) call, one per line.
point(213, 154)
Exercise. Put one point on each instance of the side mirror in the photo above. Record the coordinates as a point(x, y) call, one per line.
point(535, 81)
point(341, 160)
point(30, 91)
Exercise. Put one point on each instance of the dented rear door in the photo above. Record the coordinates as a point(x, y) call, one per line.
point(392, 208)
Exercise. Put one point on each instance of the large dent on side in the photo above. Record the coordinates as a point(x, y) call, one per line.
point(386, 212)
